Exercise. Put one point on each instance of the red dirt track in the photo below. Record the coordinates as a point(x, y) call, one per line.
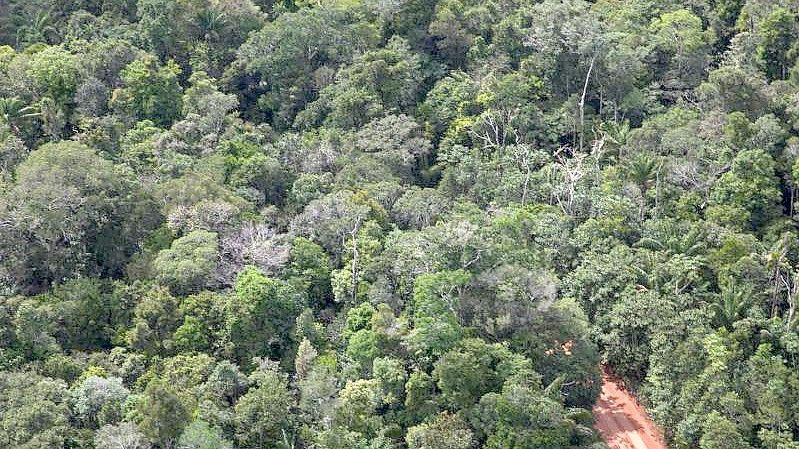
point(622, 422)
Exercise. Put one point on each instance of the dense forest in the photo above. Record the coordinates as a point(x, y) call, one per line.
point(396, 224)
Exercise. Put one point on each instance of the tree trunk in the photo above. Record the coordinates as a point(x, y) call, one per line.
point(582, 100)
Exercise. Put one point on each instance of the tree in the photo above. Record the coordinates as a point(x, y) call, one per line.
point(778, 33)
point(456, 24)
point(731, 303)
point(508, 299)
point(203, 322)
point(155, 319)
point(643, 170)
point(392, 376)
point(165, 35)
point(262, 415)
point(261, 316)
point(34, 330)
point(596, 284)
point(512, 418)
point(450, 98)
point(38, 30)
point(418, 208)
point(99, 401)
point(14, 112)
point(297, 54)
point(777, 440)
point(358, 403)
point(772, 387)
point(380, 81)
point(306, 354)
point(679, 37)
point(56, 73)
point(199, 435)
point(125, 435)
point(203, 99)
point(331, 219)
point(444, 432)
point(737, 88)
point(162, 415)
point(627, 329)
point(749, 189)
point(249, 167)
point(226, 382)
point(34, 410)
point(310, 267)
point(437, 326)
point(189, 265)
point(206, 34)
point(151, 91)
point(396, 141)
point(720, 433)
point(70, 212)
point(474, 368)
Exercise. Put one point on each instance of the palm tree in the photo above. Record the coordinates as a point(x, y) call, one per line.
point(37, 30)
point(642, 170)
point(785, 278)
point(211, 22)
point(731, 303)
point(669, 237)
point(13, 111)
point(615, 134)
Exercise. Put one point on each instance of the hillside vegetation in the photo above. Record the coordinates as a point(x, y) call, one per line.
point(396, 224)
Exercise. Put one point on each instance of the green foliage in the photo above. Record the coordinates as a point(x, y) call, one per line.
point(161, 413)
point(626, 330)
point(203, 322)
point(298, 53)
point(199, 435)
point(721, 433)
point(189, 264)
point(154, 320)
point(342, 224)
point(474, 368)
point(750, 188)
point(378, 82)
point(151, 91)
point(310, 267)
point(98, 401)
point(445, 432)
point(261, 316)
point(207, 33)
point(778, 35)
point(247, 167)
point(56, 73)
point(34, 411)
point(66, 204)
point(262, 415)
point(436, 327)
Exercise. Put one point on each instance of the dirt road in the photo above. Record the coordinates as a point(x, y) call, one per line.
point(622, 422)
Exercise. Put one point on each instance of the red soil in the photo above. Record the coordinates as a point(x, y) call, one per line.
point(622, 422)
